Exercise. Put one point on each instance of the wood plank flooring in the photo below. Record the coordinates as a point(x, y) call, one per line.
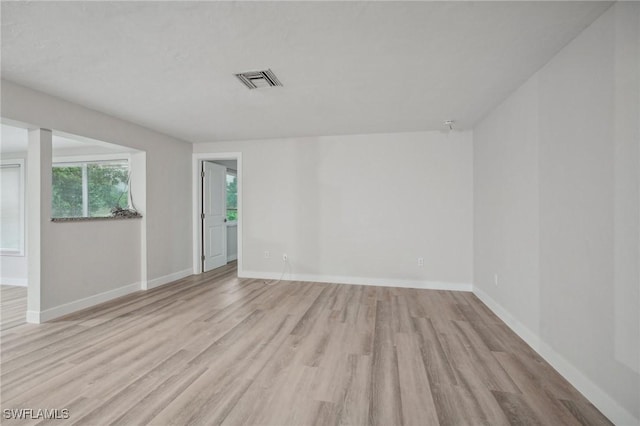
point(215, 349)
point(13, 306)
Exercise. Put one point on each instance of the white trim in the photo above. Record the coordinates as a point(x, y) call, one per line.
point(157, 282)
point(85, 189)
point(91, 141)
point(90, 158)
point(520, 329)
point(33, 317)
point(138, 188)
point(82, 161)
point(376, 282)
point(232, 257)
point(11, 253)
point(196, 203)
point(598, 397)
point(77, 305)
point(19, 282)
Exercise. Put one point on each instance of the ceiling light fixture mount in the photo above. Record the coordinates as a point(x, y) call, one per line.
point(258, 79)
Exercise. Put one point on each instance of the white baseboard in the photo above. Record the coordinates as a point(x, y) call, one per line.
point(157, 282)
point(607, 405)
point(68, 308)
point(378, 282)
point(33, 317)
point(232, 257)
point(19, 282)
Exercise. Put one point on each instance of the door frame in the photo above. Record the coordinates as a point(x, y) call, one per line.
point(197, 204)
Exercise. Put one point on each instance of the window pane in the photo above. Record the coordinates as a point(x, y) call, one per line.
point(10, 214)
point(67, 192)
point(107, 185)
point(232, 198)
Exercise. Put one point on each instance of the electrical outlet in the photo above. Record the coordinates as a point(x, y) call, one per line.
point(421, 262)
point(495, 279)
point(267, 255)
point(285, 257)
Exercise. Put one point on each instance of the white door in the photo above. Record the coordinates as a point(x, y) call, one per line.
point(214, 216)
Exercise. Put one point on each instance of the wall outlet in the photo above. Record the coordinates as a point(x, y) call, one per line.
point(495, 279)
point(285, 257)
point(267, 255)
point(421, 262)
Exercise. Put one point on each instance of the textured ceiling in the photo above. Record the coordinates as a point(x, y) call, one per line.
point(346, 67)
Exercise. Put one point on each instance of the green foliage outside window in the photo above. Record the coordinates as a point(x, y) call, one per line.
point(232, 198)
point(108, 188)
point(106, 183)
point(67, 192)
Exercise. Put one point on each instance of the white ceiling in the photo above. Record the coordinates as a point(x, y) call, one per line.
point(347, 67)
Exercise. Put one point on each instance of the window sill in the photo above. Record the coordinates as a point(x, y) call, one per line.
point(91, 219)
point(12, 253)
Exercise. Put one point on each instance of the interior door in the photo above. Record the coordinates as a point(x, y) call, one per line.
point(214, 216)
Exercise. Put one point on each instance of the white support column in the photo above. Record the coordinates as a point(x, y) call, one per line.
point(38, 215)
point(138, 194)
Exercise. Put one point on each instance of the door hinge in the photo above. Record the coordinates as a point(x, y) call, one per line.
point(202, 173)
point(203, 258)
point(202, 216)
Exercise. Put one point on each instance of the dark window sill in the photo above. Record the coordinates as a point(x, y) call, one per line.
point(92, 219)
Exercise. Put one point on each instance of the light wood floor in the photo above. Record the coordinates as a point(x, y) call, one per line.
point(214, 349)
point(13, 306)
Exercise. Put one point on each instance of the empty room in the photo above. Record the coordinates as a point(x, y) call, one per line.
point(320, 213)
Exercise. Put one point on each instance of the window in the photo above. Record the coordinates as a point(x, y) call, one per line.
point(232, 197)
point(90, 188)
point(12, 207)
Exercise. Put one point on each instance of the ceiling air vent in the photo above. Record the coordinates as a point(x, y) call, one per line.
point(259, 79)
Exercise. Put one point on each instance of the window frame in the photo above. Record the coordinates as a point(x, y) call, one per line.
point(83, 161)
point(231, 172)
point(20, 252)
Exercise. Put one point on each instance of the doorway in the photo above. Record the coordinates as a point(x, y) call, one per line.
point(217, 194)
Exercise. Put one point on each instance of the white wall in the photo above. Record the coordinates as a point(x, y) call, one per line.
point(86, 259)
point(78, 255)
point(557, 216)
point(358, 208)
point(14, 270)
point(232, 242)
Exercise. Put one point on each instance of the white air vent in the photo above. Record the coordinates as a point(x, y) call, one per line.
point(258, 79)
